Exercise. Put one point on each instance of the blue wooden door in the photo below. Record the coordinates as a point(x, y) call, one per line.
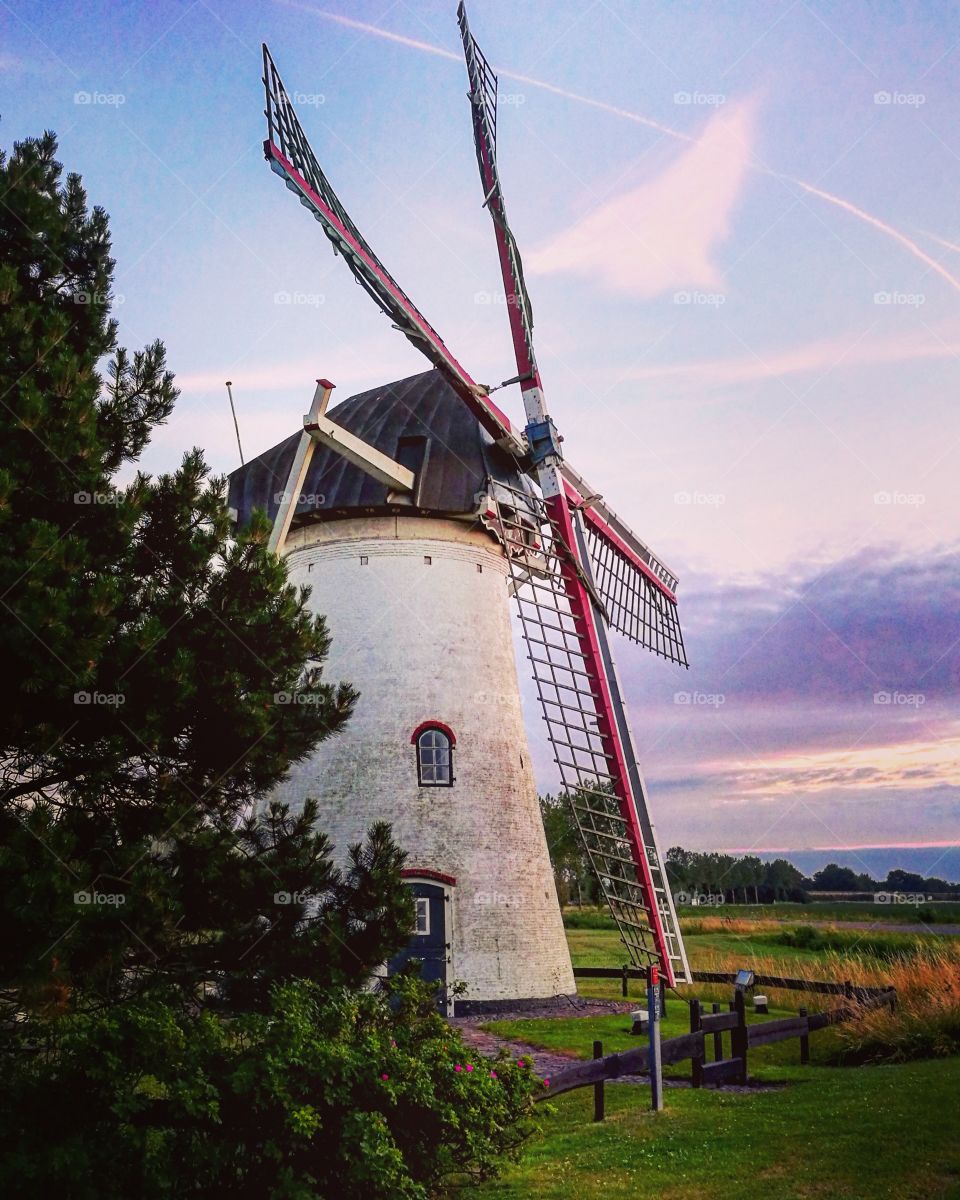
point(429, 944)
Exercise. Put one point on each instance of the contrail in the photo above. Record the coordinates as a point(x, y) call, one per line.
point(837, 201)
point(941, 241)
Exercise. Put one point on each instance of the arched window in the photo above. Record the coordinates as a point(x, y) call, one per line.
point(434, 742)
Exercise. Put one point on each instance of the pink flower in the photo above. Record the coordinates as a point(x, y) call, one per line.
point(493, 1075)
point(384, 1076)
point(469, 1066)
point(392, 1042)
point(521, 1063)
point(458, 1067)
point(546, 1083)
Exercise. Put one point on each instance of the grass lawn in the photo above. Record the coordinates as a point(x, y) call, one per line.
point(944, 912)
point(861, 1133)
point(867, 1133)
point(575, 1035)
point(603, 948)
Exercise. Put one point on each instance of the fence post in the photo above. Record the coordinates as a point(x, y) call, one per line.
point(696, 1060)
point(624, 977)
point(656, 1066)
point(804, 1042)
point(717, 1038)
point(738, 1035)
point(598, 1087)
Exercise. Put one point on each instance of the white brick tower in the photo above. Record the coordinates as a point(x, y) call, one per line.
point(417, 604)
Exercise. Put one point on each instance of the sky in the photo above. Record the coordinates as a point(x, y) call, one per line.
point(742, 241)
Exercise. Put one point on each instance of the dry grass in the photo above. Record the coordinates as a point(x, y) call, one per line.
point(739, 925)
point(926, 1022)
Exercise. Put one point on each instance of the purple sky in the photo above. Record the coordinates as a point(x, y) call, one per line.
point(741, 236)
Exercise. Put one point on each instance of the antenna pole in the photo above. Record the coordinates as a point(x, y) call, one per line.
point(235, 425)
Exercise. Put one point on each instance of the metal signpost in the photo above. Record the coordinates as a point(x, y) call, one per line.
point(656, 1065)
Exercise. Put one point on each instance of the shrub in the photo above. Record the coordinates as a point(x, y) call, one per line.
point(360, 1096)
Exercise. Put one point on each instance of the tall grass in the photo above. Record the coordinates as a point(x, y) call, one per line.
point(925, 1023)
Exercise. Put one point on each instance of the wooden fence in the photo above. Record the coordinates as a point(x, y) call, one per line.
point(707, 1029)
point(826, 988)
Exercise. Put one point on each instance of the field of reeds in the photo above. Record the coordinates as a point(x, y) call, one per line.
point(924, 969)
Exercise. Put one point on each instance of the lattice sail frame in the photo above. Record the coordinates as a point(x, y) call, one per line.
point(614, 825)
point(635, 606)
point(290, 156)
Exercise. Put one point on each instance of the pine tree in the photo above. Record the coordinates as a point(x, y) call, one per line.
point(184, 978)
point(147, 655)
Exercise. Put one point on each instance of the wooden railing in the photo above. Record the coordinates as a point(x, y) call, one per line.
point(708, 1029)
point(828, 988)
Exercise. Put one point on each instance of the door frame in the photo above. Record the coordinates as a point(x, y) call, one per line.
point(413, 875)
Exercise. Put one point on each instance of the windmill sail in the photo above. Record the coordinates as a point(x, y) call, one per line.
point(573, 573)
point(291, 157)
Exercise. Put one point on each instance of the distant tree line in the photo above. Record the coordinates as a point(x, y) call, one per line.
point(738, 879)
point(833, 878)
point(744, 879)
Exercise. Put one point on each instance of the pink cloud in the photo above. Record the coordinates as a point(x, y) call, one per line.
point(663, 235)
point(852, 350)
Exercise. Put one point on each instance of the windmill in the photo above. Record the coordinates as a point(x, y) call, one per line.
point(387, 474)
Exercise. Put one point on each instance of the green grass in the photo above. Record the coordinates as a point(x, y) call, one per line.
point(873, 1133)
point(821, 910)
point(603, 948)
point(885, 914)
point(575, 1035)
point(858, 1132)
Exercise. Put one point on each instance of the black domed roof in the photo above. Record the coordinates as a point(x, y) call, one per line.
point(421, 422)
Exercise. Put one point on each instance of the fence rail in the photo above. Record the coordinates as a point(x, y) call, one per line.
point(828, 988)
point(708, 1029)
